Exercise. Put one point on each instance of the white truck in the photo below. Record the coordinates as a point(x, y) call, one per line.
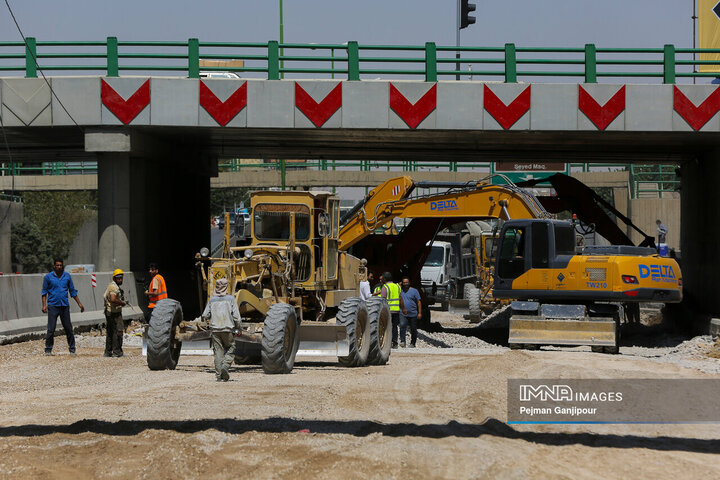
point(447, 268)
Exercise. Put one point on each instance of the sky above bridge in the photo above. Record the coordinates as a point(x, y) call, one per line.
point(552, 23)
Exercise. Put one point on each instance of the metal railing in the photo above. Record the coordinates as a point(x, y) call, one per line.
point(273, 60)
point(653, 180)
point(323, 165)
point(645, 180)
point(49, 168)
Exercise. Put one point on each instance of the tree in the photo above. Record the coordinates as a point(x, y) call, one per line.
point(59, 216)
point(225, 199)
point(30, 248)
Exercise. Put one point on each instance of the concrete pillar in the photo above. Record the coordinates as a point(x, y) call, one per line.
point(10, 213)
point(700, 196)
point(113, 211)
point(153, 206)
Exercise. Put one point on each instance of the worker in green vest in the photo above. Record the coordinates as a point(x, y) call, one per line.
point(391, 293)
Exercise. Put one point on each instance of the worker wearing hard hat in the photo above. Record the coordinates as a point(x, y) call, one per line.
point(114, 301)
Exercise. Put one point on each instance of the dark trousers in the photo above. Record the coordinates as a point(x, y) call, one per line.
point(395, 317)
point(64, 314)
point(224, 349)
point(148, 314)
point(406, 321)
point(114, 333)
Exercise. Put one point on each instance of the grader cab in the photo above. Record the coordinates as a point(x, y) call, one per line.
point(289, 283)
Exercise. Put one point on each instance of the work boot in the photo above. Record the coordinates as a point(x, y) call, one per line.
point(402, 345)
point(394, 345)
point(107, 354)
point(72, 353)
point(118, 355)
point(412, 345)
point(224, 375)
point(48, 354)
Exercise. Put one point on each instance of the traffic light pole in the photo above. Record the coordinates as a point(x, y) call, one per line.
point(457, 42)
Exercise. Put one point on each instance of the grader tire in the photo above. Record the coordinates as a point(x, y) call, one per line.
point(162, 350)
point(380, 330)
point(353, 315)
point(473, 297)
point(466, 290)
point(280, 339)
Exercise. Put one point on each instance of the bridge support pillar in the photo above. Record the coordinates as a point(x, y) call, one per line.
point(153, 206)
point(699, 237)
point(114, 197)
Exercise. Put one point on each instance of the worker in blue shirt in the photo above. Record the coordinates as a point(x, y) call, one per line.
point(411, 312)
point(56, 287)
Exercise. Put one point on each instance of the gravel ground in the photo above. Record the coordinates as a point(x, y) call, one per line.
point(437, 411)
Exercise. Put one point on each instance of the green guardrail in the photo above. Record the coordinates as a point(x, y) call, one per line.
point(350, 60)
point(645, 180)
point(653, 180)
point(49, 168)
point(236, 165)
point(10, 198)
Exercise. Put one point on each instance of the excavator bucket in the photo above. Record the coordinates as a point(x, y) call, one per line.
point(596, 332)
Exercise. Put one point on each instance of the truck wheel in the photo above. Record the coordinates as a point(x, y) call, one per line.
point(466, 289)
point(163, 350)
point(280, 339)
point(353, 315)
point(473, 297)
point(380, 331)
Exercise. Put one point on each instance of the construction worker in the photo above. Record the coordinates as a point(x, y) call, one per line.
point(364, 287)
point(224, 315)
point(156, 291)
point(114, 300)
point(391, 293)
point(55, 289)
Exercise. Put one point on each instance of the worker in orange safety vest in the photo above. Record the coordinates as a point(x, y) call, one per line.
point(156, 291)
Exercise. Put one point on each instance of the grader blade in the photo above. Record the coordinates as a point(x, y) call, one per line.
point(596, 332)
point(323, 340)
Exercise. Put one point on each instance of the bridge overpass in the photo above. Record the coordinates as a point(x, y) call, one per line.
point(157, 139)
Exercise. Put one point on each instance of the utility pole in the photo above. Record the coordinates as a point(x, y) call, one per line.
point(457, 42)
point(464, 19)
point(694, 22)
point(282, 50)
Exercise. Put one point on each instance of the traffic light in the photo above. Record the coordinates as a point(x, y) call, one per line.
point(465, 18)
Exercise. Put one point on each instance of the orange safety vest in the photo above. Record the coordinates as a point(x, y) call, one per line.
point(162, 291)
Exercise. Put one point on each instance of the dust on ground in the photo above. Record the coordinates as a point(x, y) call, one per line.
point(431, 413)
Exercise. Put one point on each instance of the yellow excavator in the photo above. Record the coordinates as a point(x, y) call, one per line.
point(562, 297)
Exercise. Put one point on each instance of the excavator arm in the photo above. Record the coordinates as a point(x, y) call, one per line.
point(472, 200)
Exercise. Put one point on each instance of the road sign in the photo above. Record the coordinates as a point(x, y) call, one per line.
point(523, 171)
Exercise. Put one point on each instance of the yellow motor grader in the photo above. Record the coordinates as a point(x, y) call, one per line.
point(289, 283)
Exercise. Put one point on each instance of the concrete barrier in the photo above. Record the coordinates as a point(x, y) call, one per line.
point(21, 302)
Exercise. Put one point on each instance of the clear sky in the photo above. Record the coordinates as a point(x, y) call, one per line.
point(552, 23)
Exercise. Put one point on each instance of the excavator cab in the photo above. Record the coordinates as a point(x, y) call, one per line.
point(527, 245)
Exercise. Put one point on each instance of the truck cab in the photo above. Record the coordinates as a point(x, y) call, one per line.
point(446, 268)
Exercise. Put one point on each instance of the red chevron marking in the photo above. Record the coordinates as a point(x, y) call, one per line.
point(603, 115)
point(221, 111)
point(507, 115)
point(413, 114)
point(318, 113)
point(124, 110)
point(696, 117)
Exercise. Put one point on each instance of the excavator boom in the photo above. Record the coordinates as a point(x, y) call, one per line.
point(472, 200)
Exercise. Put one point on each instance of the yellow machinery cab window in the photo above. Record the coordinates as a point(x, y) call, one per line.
point(272, 221)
